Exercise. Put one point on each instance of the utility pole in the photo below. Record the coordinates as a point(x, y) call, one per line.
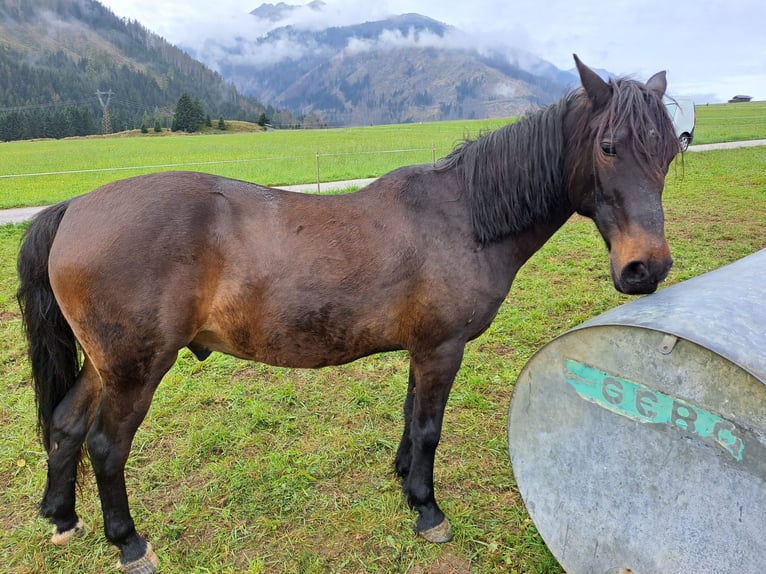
point(107, 121)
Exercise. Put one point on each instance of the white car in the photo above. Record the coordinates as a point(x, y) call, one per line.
point(684, 118)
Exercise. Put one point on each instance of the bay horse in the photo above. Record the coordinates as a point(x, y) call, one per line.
point(115, 282)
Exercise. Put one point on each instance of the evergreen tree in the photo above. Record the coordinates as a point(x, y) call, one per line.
point(198, 115)
point(189, 115)
point(182, 119)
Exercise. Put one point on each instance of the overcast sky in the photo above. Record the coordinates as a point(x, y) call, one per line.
point(711, 49)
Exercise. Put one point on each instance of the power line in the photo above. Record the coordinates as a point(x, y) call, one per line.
point(70, 103)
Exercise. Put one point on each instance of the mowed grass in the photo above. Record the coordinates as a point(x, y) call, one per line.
point(241, 467)
point(45, 172)
point(730, 122)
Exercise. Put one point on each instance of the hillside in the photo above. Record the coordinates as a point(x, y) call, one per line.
point(55, 55)
point(402, 69)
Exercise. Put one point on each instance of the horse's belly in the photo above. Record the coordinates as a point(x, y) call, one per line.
point(294, 348)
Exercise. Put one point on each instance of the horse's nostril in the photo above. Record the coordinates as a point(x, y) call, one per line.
point(635, 271)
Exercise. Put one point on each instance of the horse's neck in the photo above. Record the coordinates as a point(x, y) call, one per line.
point(526, 243)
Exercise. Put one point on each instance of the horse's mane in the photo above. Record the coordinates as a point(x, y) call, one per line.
point(515, 176)
point(511, 175)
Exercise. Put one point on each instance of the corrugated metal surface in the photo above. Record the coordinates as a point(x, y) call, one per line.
point(638, 439)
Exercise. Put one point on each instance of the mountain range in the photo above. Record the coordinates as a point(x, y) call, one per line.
point(61, 61)
point(405, 68)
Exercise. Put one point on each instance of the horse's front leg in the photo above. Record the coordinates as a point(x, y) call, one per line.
point(432, 373)
point(404, 453)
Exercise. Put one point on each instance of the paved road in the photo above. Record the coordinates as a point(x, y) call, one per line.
point(726, 145)
point(19, 214)
point(23, 213)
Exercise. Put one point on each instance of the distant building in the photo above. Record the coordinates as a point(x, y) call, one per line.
point(737, 99)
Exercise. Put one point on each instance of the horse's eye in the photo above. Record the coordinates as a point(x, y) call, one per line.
point(607, 147)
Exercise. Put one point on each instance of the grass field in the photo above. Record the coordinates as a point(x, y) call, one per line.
point(730, 122)
point(44, 172)
point(245, 468)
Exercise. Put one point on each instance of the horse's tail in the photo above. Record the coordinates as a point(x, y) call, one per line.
point(52, 347)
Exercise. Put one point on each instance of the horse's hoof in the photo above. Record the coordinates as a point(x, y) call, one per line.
point(439, 534)
point(63, 538)
point(147, 564)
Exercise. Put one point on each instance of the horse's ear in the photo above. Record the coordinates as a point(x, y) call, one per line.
point(597, 89)
point(658, 83)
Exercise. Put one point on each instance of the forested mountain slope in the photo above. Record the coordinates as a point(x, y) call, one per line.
point(55, 55)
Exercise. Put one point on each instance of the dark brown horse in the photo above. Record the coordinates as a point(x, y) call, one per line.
point(419, 260)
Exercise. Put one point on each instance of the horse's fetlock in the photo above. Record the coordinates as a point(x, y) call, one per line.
point(63, 535)
point(418, 494)
point(123, 534)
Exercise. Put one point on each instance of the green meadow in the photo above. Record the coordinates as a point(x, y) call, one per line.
point(45, 172)
point(240, 467)
point(730, 122)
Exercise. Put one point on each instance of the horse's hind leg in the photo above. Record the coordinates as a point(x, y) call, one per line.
point(433, 373)
point(69, 426)
point(124, 403)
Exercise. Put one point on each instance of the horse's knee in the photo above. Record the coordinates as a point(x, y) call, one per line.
point(67, 428)
point(72, 416)
point(402, 465)
point(105, 456)
point(426, 438)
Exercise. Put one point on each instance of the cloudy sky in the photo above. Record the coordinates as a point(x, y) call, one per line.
point(711, 49)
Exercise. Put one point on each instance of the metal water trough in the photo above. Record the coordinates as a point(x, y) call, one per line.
point(638, 439)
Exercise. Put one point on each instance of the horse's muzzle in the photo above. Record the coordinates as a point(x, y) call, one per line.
point(641, 277)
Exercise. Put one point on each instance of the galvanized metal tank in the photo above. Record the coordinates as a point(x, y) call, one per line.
point(638, 439)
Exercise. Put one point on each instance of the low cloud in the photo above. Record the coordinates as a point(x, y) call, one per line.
point(245, 39)
point(394, 39)
point(504, 91)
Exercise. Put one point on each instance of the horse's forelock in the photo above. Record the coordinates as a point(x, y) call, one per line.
point(652, 138)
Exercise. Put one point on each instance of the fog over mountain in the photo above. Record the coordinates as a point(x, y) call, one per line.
point(316, 59)
point(710, 54)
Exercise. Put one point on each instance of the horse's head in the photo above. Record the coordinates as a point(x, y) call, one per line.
point(620, 143)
